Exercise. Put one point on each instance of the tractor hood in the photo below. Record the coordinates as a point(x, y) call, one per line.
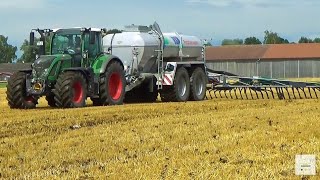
point(43, 61)
point(41, 65)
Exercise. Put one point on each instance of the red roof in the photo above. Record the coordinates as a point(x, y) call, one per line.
point(272, 51)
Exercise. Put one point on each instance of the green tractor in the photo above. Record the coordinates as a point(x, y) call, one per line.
point(75, 69)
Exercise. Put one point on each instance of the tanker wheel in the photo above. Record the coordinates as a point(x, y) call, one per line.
point(50, 100)
point(180, 91)
point(198, 83)
point(112, 86)
point(70, 90)
point(17, 95)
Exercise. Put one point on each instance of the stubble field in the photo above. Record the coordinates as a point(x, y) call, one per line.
point(214, 139)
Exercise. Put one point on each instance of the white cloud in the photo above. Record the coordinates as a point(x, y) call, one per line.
point(21, 4)
point(253, 3)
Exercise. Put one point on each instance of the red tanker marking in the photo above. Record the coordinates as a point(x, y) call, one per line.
point(192, 43)
point(168, 79)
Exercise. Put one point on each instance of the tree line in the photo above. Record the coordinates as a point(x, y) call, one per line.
point(8, 51)
point(269, 38)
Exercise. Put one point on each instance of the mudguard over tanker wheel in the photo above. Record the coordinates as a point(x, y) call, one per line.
point(180, 91)
point(70, 90)
point(112, 86)
point(198, 83)
point(16, 93)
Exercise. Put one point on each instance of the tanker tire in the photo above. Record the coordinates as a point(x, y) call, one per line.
point(16, 93)
point(70, 90)
point(112, 86)
point(198, 83)
point(180, 90)
point(50, 100)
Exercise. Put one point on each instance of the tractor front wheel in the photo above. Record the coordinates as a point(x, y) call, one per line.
point(17, 95)
point(70, 90)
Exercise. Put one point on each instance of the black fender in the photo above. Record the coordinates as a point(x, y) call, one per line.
point(86, 72)
point(28, 71)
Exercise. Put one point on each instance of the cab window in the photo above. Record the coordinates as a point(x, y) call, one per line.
point(93, 49)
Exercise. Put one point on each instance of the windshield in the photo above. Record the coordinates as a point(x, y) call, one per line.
point(64, 41)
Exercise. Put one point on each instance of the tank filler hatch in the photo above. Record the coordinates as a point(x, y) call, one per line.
point(136, 28)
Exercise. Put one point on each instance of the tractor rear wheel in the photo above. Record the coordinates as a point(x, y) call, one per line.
point(112, 86)
point(17, 95)
point(198, 83)
point(180, 90)
point(70, 90)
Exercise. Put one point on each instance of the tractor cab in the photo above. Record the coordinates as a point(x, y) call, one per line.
point(82, 44)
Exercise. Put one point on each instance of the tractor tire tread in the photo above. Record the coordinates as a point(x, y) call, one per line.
point(16, 90)
point(63, 95)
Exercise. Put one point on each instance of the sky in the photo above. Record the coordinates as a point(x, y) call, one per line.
point(207, 19)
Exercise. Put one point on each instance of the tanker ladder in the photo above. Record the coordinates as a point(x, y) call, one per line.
point(160, 74)
point(228, 85)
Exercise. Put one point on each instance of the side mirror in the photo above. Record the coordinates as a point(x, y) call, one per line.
point(31, 43)
point(92, 37)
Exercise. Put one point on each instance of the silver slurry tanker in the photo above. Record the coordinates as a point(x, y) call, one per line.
point(171, 64)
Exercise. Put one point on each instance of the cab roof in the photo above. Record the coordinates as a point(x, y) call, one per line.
point(76, 29)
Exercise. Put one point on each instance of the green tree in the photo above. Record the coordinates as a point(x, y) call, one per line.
point(316, 40)
point(232, 42)
point(273, 38)
point(305, 40)
point(252, 40)
point(7, 51)
point(29, 52)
